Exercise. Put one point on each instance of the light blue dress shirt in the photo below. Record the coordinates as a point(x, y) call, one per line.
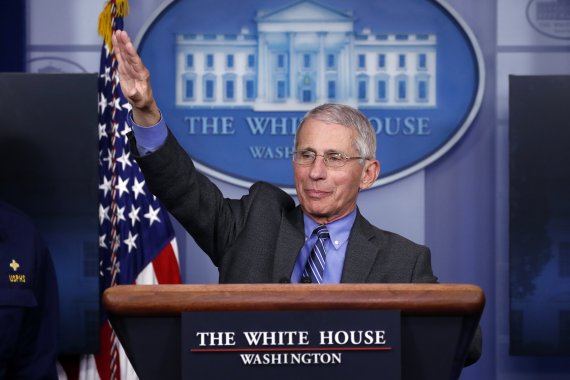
point(151, 138)
point(339, 231)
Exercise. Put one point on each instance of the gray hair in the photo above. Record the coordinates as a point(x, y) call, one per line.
point(332, 113)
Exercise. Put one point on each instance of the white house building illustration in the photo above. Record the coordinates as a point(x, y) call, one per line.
point(303, 55)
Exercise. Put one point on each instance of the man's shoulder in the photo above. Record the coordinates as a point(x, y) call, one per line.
point(271, 194)
point(390, 238)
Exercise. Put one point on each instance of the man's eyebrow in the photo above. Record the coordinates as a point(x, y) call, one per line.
point(326, 151)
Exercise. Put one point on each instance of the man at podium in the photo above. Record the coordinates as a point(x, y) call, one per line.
point(264, 237)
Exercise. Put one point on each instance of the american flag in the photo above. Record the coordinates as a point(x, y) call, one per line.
point(136, 238)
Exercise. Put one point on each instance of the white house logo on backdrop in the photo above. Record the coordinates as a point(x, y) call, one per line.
point(242, 82)
point(550, 17)
point(301, 56)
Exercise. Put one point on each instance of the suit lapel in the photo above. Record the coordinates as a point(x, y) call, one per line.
point(289, 242)
point(361, 252)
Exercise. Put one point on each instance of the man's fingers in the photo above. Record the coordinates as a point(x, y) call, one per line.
point(128, 56)
point(133, 74)
point(127, 48)
point(118, 53)
point(118, 49)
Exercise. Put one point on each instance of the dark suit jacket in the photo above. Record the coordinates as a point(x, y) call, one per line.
point(256, 239)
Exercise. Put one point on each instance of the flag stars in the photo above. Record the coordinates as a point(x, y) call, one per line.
point(134, 215)
point(103, 214)
point(107, 51)
point(152, 215)
point(122, 186)
point(106, 75)
point(125, 131)
point(130, 241)
point(102, 243)
point(115, 128)
point(116, 103)
point(116, 267)
point(121, 214)
point(125, 160)
point(102, 103)
point(109, 159)
point(115, 242)
point(102, 131)
point(138, 188)
point(105, 186)
point(123, 195)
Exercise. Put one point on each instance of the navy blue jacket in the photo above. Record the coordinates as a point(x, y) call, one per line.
point(29, 308)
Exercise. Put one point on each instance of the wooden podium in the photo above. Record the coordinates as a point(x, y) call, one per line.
point(438, 321)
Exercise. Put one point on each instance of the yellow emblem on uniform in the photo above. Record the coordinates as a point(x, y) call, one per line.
point(21, 278)
point(16, 277)
point(14, 265)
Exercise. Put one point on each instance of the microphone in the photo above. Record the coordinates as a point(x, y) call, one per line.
point(306, 280)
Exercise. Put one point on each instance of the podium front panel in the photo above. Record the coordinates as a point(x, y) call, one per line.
point(438, 321)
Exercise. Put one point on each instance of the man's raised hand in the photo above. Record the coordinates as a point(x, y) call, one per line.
point(135, 80)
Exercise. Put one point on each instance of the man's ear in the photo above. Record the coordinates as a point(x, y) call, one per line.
point(370, 173)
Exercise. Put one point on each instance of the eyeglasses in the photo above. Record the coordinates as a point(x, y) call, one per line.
point(331, 159)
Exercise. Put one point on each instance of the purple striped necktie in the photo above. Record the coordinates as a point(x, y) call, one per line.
point(315, 266)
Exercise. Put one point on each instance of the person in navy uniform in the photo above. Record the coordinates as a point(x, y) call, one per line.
point(29, 307)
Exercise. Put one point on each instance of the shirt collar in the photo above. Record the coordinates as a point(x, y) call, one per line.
point(339, 230)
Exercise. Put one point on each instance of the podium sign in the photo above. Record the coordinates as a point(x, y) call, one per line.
point(436, 325)
point(332, 344)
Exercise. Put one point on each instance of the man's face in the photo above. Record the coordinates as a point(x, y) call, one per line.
point(327, 194)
